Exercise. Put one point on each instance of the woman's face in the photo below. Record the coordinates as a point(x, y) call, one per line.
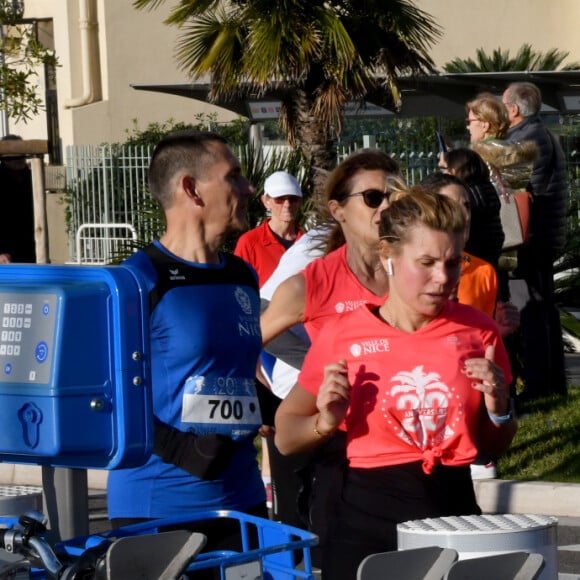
point(426, 270)
point(359, 222)
point(477, 128)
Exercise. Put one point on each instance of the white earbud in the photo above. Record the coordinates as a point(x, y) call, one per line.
point(389, 266)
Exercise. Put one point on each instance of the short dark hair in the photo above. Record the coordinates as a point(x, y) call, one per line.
point(435, 182)
point(467, 164)
point(178, 151)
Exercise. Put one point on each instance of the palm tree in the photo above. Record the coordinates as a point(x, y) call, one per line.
point(312, 55)
point(525, 59)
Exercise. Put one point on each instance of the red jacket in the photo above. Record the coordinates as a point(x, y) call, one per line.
point(262, 250)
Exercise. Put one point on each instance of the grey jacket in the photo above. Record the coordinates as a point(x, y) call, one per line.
point(548, 184)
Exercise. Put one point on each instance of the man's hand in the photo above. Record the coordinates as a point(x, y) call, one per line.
point(507, 317)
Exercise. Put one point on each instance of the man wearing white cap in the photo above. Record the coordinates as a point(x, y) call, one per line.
point(263, 246)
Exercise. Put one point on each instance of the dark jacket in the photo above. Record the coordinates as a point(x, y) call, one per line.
point(485, 233)
point(17, 216)
point(548, 184)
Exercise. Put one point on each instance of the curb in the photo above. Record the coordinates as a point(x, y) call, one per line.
point(495, 496)
point(528, 497)
point(18, 474)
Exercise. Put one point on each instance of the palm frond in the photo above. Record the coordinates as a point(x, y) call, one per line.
point(526, 58)
point(318, 54)
point(336, 40)
point(550, 60)
point(328, 106)
point(276, 52)
point(212, 44)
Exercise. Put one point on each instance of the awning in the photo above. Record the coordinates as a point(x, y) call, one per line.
point(439, 95)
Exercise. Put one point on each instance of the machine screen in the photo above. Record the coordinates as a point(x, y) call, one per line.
point(26, 337)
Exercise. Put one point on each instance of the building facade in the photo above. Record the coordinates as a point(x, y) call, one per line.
point(105, 47)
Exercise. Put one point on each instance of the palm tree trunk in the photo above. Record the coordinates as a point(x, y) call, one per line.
point(317, 146)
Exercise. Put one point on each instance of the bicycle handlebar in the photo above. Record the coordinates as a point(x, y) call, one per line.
point(26, 543)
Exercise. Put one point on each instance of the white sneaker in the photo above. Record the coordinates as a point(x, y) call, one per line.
point(480, 471)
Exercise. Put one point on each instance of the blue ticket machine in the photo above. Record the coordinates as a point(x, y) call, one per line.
point(74, 367)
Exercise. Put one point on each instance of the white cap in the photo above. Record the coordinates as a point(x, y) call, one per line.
point(282, 183)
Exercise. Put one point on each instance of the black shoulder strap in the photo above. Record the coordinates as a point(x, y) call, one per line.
point(172, 273)
point(208, 455)
point(161, 262)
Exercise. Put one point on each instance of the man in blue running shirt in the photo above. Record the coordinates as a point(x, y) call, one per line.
point(205, 342)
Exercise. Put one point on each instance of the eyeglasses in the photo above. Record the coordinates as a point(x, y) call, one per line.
point(372, 197)
point(284, 198)
point(468, 121)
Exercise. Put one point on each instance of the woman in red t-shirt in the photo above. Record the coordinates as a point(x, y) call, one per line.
point(349, 274)
point(419, 382)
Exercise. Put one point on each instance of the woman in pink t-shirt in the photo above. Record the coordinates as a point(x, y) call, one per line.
point(420, 381)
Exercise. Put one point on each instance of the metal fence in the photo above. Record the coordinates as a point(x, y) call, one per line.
point(415, 163)
point(107, 184)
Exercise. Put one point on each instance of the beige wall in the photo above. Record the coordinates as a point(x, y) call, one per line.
point(136, 47)
point(507, 24)
point(133, 47)
point(130, 47)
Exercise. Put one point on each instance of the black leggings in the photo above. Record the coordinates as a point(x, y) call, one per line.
point(374, 501)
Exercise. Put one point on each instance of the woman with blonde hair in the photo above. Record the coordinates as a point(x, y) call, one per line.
point(487, 118)
point(510, 164)
point(417, 382)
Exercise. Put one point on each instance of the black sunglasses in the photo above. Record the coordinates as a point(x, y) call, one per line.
point(372, 197)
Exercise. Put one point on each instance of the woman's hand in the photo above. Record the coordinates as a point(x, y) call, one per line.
point(490, 380)
point(333, 397)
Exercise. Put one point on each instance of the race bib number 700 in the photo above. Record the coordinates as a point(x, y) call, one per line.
point(221, 405)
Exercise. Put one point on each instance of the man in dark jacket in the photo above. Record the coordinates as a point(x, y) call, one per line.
point(543, 349)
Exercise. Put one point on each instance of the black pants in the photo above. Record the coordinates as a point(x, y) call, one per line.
point(287, 485)
point(542, 345)
point(374, 501)
point(306, 487)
